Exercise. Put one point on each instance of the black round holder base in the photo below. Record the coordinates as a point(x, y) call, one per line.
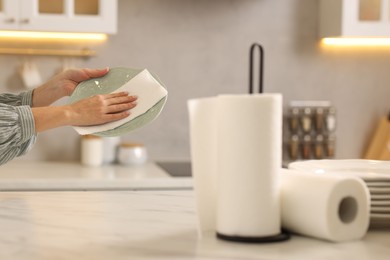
point(267, 239)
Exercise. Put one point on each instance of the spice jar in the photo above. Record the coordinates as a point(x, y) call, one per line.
point(294, 119)
point(330, 146)
point(294, 147)
point(331, 119)
point(306, 147)
point(319, 120)
point(319, 147)
point(306, 120)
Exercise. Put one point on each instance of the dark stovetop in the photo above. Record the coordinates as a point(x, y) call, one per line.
point(176, 169)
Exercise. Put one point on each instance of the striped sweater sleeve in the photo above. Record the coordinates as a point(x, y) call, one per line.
point(24, 98)
point(17, 127)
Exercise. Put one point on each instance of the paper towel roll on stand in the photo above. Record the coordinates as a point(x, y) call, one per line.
point(249, 157)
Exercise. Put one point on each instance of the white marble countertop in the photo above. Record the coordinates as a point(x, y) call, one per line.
point(56, 176)
point(142, 225)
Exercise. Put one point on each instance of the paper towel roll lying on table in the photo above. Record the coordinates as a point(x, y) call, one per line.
point(329, 207)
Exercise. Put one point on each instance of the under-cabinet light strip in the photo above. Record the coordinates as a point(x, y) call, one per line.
point(53, 35)
point(356, 41)
point(48, 52)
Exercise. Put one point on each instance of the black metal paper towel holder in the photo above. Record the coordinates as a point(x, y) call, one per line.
point(251, 67)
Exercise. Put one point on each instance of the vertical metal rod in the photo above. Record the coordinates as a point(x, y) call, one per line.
point(261, 62)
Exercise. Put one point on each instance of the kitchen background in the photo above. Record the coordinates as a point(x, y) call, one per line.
point(200, 48)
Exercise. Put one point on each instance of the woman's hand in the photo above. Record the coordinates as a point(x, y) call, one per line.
point(94, 110)
point(63, 84)
point(101, 109)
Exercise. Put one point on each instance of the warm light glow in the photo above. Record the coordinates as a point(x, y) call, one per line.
point(53, 35)
point(374, 42)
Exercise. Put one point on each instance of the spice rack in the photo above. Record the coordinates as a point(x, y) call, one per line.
point(309, 131)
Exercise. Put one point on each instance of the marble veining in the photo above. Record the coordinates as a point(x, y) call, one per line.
point(142, 225)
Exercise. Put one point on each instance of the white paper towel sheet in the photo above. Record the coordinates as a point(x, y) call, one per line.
point(203, 138)
point(249, 159)
point(329, 207)
point(149, 92)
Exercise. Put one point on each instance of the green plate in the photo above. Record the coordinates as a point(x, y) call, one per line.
point(110, 82)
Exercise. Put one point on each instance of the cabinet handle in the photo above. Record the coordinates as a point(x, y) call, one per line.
point(25, 20)
point(10, 20)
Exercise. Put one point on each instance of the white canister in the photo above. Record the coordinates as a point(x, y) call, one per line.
point(132, 154)
point(110, 149)
point(91, 150)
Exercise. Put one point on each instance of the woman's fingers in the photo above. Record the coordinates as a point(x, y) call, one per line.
point(120, 107)
point(115, 95)
point(117, 98)
point(114, 98)
point(95, 73)
point(121, 99)
point(118, 102)
point(116, 116)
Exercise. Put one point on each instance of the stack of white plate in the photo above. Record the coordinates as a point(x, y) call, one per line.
point(376, 174)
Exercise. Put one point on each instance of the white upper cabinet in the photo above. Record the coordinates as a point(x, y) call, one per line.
point(8, 14)
point(59, 15)
point(354, 18)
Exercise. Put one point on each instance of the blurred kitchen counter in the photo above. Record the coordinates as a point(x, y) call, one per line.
point(56, 176)
point(142, 225)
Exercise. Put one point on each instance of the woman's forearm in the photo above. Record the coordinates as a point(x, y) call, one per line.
point(45, 95)
point(50, 117)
